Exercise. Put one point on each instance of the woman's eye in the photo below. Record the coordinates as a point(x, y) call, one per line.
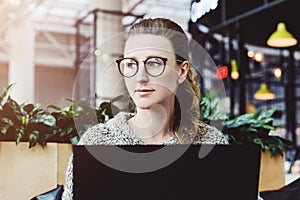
point(154, 63)
point(130, 64)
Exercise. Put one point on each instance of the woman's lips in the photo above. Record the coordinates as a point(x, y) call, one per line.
point(144, 91)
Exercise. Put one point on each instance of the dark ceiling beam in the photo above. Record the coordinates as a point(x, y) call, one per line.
point(239, 17)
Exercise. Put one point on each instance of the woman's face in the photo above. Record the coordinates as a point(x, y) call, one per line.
point(144, 89)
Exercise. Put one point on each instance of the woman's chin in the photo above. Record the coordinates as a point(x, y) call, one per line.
point(143, 106)
point(143, 103)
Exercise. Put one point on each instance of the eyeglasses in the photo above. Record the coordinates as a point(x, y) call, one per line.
point(154, 66)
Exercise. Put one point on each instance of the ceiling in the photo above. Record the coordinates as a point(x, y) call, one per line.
point(258, 18)
point(61, 15)
point(54, 21)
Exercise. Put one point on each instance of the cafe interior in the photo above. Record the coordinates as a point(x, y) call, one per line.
point(52, 51)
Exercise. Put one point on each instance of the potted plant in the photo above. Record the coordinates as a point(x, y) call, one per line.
point(254, 128)
point(249, 128)
point(30, 123)
point(43, 138)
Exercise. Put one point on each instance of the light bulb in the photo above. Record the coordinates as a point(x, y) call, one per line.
point(235, 75)
point(258, 57)
point(234, 70)
point(250, 54)
point(277, 72)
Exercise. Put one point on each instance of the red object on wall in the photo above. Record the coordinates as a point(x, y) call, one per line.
point(222, 72)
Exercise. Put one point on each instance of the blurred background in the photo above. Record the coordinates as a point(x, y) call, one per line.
point(49, 49)
point(53, 50)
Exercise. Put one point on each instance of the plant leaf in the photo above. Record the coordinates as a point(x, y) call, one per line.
point(5, 95)
point(19, 134)
point(54, 107)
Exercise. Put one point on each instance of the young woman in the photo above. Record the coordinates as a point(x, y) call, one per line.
point(162, 85)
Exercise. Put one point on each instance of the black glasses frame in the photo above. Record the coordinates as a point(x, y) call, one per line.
point(118, 61)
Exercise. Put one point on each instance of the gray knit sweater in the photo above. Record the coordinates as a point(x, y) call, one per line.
point(117, 132)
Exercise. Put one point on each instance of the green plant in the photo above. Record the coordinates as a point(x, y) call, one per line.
point(29, 122)
point(209, 110)
point(23, 122)
point(250, 128)
point(254, 128)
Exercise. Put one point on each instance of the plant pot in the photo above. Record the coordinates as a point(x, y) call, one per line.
point(272, 173)
point(26, 172)
point(7, 137)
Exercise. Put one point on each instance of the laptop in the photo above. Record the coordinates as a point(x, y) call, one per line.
point(166, 172)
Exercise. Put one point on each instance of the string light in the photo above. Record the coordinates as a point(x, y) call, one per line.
point(250, 54)
point(258, 57)
point(277, 72)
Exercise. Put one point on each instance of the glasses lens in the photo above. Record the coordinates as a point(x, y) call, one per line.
point(155, 66)
point(128, 67)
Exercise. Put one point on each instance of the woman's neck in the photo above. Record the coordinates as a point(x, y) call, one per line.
point(153, 125)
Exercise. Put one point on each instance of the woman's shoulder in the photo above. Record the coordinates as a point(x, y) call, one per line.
point(212, 136)
point(114, 131)
point(95, 135)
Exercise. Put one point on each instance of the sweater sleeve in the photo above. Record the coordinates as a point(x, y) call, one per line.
point(212, 136)
point(93, 136)
point(68, 188)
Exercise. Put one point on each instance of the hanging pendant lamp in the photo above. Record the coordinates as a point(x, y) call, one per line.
point(264, 93)
point(281, 37)
point(234, 70)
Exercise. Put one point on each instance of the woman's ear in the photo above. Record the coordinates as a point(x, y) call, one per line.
point(184, 70)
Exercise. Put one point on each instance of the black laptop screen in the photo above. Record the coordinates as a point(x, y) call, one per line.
point(226, 172)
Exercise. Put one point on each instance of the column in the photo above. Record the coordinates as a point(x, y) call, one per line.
point(110, 44)
point(21, 60)
point(291, 100)
point(242, 69)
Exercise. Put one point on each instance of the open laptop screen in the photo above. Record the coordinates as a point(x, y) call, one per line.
point(222, 172)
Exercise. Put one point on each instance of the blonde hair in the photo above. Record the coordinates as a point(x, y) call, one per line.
point(186, 105)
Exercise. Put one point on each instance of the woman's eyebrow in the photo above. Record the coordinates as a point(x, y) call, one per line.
point(151, 56)
point(147, 57)
point(132, 57)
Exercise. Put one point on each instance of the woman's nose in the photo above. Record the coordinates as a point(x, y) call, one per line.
point(142, 75)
